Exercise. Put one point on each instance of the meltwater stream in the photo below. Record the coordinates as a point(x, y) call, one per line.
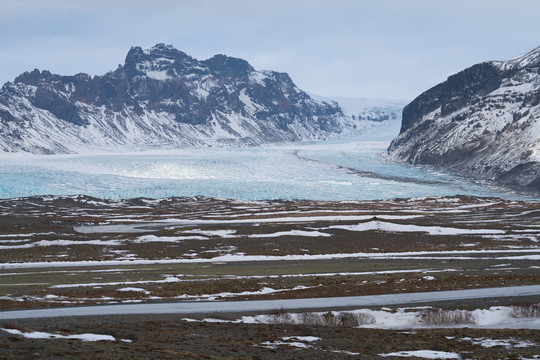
point(321, 171)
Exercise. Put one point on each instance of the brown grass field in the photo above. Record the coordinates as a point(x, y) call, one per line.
point(206, 249)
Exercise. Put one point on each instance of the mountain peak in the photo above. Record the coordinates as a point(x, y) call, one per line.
point(161, 97)
point(166, 51)
point(232, 66)
point(159, 62)
point(527, 60)
point(162, 47)
point(162, 62)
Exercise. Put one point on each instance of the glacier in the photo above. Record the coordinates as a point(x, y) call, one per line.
point(347, 169)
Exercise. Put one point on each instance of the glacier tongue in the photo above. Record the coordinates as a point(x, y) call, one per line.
point(337, 170)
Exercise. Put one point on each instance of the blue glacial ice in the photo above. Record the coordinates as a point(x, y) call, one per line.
point(346, 170)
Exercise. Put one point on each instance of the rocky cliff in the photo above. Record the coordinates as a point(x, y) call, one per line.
point(161, 98)
point(483, 122)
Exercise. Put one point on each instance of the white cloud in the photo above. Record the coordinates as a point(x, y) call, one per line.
point(382, 49)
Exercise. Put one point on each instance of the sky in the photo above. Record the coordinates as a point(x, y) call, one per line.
point(385, 49)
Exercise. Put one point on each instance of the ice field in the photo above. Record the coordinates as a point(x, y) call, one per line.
point(339, 170)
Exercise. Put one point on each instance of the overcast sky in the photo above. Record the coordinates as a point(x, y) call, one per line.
point(393, 49)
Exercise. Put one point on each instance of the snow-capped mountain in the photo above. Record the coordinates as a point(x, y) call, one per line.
point(483, 122)
point(162, 98)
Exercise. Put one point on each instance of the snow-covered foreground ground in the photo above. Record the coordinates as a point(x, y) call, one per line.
point(339, 170)
point(496, 317)
point(501, 317)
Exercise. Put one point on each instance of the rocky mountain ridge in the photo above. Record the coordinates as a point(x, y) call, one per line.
point(483, 122)
point(162, 98)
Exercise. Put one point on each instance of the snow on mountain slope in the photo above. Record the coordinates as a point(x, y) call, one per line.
point(162, 98)
point(483, 122)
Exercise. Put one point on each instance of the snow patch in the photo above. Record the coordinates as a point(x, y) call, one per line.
point(45, 335)
point(154, 238)
point(135, 289)
point(424, 354)
point(507, 343)
point(291, 233)
point(432, 230)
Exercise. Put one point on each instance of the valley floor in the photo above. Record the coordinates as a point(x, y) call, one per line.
point(65, 251)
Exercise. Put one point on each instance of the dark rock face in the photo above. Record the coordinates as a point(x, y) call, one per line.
point(161, 97)
point(58, 106)
point(483, 122)
point(453, 94)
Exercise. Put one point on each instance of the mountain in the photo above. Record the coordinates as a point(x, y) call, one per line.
point(483, 122)
point(161, 98)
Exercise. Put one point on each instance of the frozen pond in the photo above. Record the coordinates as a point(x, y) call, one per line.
point(346, 170)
